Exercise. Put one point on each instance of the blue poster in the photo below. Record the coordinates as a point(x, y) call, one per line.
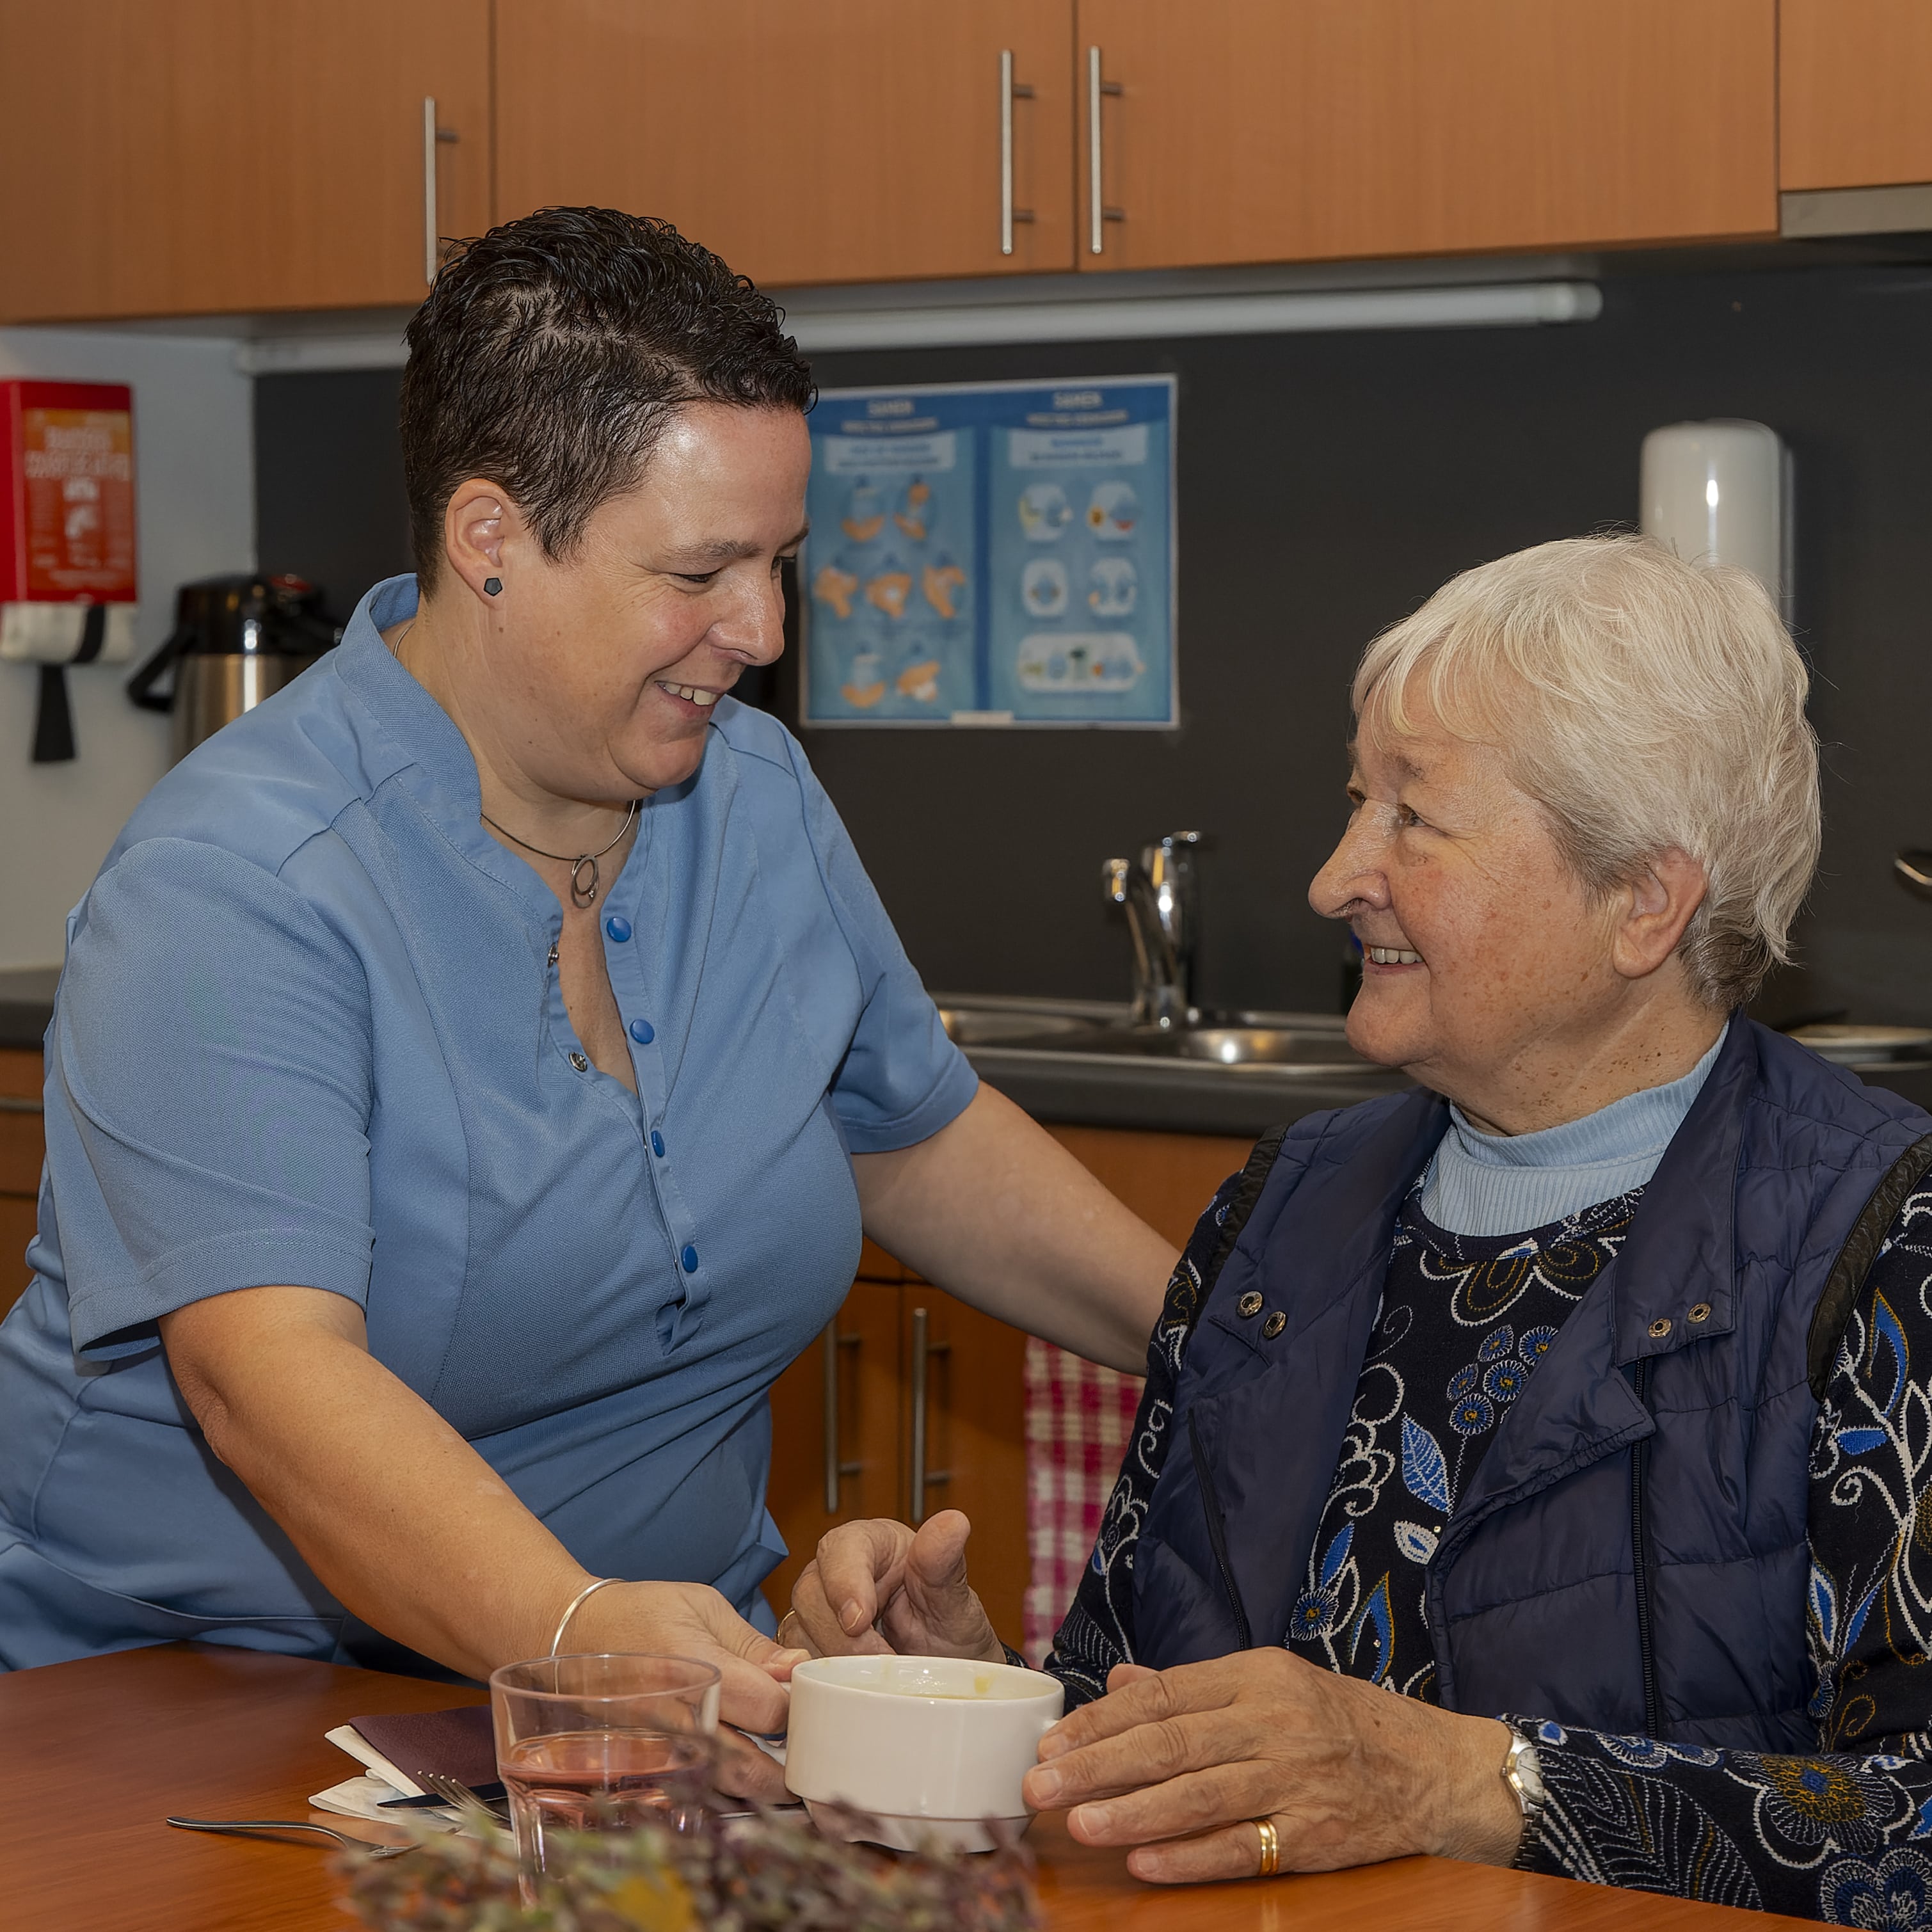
point(992, 554)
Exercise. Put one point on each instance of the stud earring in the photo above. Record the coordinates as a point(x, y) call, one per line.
point(492, 586)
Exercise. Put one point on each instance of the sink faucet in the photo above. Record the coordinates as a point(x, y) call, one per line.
point(1158, 894)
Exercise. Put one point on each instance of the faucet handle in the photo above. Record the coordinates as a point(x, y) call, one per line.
point(1114, 879)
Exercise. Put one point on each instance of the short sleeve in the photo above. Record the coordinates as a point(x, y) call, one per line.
point(901, 1079)
point(209, 1089)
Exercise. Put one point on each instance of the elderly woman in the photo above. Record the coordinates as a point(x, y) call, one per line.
point(1571, 1398)
point(472, 1069)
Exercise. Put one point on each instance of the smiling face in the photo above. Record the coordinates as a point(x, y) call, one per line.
point(592, 677)
point(1486, 965)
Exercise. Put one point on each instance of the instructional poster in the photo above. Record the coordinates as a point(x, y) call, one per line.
point(992, 554)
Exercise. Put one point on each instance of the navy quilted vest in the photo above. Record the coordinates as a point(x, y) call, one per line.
point(1630, 1555)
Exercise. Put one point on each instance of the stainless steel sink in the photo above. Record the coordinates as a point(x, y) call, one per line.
point(1293, 1044)
point(1081, 1062)
point(1009, 1025)
point(1287, 1048)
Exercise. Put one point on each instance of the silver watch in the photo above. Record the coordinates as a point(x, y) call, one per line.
point(1522, 1772)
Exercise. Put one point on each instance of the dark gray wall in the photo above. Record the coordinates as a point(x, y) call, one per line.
point(1327, 484)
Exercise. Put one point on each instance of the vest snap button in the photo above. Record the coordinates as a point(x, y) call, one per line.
point(1702, 1312)
point(1660, 1327)
point(1249, 1304)
point(1273, 1325)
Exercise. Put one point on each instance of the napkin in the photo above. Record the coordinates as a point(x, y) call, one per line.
point(395, 1746)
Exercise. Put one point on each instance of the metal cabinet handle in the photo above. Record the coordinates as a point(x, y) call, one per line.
point(832, 1342)
point(1098, 212)
point(923, 1350)
point(1010, 90)
point(431, 135)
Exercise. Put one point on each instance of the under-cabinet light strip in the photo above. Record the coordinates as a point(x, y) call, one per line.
point(1488, 305)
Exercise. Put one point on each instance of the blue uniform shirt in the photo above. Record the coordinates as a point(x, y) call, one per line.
point(308, 1033)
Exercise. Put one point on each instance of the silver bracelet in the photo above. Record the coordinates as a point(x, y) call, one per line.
point(571, 1609)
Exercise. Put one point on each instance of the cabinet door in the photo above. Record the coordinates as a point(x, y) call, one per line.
point(1250, 130)
point(835, 1431)
point(213, 155)
point(965, 1435)
point(1167, 1179)
point(1855, 93)
point(22, 1145)
point(814, 141)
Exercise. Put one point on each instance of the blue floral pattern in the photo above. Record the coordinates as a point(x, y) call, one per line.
point(1372, 1553)
point(1844, 1835)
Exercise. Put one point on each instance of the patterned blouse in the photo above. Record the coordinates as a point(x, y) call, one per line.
point(1845, 1836)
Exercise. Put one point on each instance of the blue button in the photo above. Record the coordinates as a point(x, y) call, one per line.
point(689, 1257)
point(618, 927)
point(643, 1032)
point(657, 1143)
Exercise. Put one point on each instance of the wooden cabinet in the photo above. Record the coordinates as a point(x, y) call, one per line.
point(818, 141)
point(217, 155)
point(1255, 130)
point(1855, 93)
point(974, 1441)
point(925, 1398)
point(22, 1148)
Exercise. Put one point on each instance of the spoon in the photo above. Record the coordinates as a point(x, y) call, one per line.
point(241, 1827)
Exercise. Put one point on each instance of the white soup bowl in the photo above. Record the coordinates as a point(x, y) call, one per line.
point(928, 1748)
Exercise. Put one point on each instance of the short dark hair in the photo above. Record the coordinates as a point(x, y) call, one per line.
point(553, 351)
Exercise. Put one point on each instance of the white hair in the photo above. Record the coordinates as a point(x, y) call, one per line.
point(1644, 703)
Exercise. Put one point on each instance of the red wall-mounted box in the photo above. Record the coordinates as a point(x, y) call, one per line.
point(67, 493)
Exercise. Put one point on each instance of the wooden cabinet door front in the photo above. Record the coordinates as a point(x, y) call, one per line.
point(1855, 93)
point(1252, 130)
point(23, 1146)
point(813, 141)
point(974, 1441)
point(207, 156)
point(852, 1420)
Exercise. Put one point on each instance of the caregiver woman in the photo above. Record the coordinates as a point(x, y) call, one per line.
point(472, 1069)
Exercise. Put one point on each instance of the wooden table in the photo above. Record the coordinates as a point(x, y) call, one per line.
point(95, 1752)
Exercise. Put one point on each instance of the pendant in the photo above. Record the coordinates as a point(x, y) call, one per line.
point(583, 889)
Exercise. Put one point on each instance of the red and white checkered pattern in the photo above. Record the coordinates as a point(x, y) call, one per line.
point(1079, 1419)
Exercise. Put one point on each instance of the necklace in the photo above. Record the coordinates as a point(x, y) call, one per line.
point(582, 890)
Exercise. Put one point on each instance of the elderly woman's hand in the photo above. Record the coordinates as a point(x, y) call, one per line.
point(1179, 1763)
point(880, 1586)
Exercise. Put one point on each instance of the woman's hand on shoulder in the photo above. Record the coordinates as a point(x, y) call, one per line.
point(1178, 1764)
point(694, 1620)
point(880, 1586)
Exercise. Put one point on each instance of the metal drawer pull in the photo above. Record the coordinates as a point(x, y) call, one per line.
point(1010, 90)
point(1098, 212)
point(9, 1104)
point(923, 1479)
point(431, 134)
point(834, 1469)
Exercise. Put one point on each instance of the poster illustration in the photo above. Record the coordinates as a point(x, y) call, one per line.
point(992, 554)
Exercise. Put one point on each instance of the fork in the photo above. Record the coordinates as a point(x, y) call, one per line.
point(241, 1827)
point(454, 1791)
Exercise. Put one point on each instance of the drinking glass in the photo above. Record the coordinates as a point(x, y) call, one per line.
point(603, 1743)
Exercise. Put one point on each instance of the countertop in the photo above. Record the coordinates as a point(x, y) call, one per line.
point(1068, 1089)
point(1073, 1089)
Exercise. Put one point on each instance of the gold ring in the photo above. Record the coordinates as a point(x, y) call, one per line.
point(1270, 1862)
point(782, 1622)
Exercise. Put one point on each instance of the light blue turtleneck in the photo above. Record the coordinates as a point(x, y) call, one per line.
point(1483, 1184)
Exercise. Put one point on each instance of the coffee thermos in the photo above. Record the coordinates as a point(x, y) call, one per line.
point(236, 640)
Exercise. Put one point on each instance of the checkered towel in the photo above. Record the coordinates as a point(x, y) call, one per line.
point(1079, 1419)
